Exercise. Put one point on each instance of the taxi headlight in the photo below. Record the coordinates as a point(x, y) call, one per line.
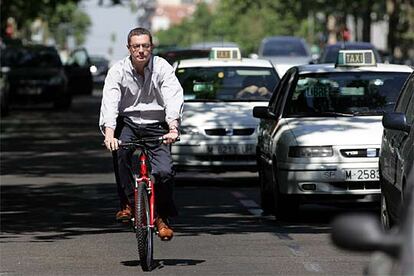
point(306, 152)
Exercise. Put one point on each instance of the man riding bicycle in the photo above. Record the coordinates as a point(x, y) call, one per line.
point(142, 97)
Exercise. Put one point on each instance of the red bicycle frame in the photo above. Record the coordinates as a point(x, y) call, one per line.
point(144, 177)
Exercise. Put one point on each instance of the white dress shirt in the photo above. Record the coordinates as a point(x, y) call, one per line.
point(158, 97)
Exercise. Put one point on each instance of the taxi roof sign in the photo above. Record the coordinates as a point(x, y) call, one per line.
point(225, 53)
point(356, 58)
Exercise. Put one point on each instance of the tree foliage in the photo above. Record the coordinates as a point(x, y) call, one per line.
point(59, 17)
point(247, 22)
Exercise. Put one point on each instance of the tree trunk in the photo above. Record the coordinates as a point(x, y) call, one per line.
point(366, 18)
point(392, 11)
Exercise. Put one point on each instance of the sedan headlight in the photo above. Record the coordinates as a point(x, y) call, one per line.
point(189, 130)
point(306, 152)
point(56, 80)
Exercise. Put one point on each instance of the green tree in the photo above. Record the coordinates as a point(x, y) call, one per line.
point(59, 17)
point(69, 20)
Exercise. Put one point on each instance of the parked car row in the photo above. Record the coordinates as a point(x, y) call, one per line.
point(335, 132)
point(32, 74)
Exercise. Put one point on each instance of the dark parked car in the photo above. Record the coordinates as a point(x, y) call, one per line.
point(285, 52)
point(99, 68)
point(330, 52)
point(35, 74)
point(392, 252)
point(78, 70)
point(173, 55)
point(397, 154)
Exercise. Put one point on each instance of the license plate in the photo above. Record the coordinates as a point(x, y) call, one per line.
point(30, 91)
point(361, 174)
point(231, 149)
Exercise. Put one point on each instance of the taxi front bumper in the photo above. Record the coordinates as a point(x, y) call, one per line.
point(329, 179)
point(211, 156)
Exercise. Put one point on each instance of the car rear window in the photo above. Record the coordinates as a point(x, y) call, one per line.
point(284, 48)
point(227, 83)
point(349, 93)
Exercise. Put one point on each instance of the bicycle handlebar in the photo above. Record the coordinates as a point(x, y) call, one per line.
point(139, 141)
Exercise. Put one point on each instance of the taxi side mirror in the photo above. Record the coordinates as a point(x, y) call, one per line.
point(262, 112)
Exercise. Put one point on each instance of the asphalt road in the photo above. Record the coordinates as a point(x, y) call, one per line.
point(58, 201)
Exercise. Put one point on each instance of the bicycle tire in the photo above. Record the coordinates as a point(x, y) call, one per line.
point(144, 233)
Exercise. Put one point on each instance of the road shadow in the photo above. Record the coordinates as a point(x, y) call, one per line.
point(161, 263)
point(58, 211)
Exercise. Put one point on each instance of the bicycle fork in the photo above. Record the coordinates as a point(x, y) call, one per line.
point(144, 177)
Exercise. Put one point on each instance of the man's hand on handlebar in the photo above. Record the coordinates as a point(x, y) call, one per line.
point(171, 136)
point(111, 144)
point(110, 141)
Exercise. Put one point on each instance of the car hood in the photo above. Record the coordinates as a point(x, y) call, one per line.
point(362, 130)
point(220, 114)
point(289, 60)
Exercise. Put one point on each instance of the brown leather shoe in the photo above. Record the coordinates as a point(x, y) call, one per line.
point(124, 214)
point(164, 231)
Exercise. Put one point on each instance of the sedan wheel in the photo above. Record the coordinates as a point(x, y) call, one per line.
point(266, 196)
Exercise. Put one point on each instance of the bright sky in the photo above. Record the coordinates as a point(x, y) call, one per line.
point(107, 21)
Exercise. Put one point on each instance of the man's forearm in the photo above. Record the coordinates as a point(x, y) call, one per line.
point(173, 124)
point(109, 133)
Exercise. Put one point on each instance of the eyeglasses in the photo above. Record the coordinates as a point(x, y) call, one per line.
point(136, 47)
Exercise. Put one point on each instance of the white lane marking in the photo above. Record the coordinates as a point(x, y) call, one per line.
point(294, 248)
point(312, 267)
point(257, 212)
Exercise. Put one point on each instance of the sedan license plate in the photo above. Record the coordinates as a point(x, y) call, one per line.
point(230, 149)
point(30, 91)
point(361, 174)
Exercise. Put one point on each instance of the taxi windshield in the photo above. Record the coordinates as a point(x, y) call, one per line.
point(344, 94)
point(227, 83)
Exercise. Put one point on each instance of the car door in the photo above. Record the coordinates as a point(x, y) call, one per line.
point(391, 148)
point(266, 125)
point(404, 146)
point(78, 72)
point(270, 126)
point(291, 77)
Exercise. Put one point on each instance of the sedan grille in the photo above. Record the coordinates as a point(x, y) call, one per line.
point(350, 186)
point(229, 131)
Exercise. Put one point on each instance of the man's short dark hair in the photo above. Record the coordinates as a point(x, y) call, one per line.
point(139, 31)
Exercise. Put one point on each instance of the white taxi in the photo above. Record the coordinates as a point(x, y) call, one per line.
point(218, 131)
point(320, 135)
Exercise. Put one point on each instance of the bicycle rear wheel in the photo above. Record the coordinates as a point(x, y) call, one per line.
point(144, 232)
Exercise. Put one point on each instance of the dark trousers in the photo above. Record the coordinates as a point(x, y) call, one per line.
point(160, 163)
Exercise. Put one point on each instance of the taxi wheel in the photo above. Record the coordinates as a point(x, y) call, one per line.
point(285, 206)
point(385, 216)
point(266, 195)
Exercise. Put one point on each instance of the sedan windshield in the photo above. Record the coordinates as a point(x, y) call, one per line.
point(227, 83)
point(344, 94)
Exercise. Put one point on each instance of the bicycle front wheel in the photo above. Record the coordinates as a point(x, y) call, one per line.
point(144, 231)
